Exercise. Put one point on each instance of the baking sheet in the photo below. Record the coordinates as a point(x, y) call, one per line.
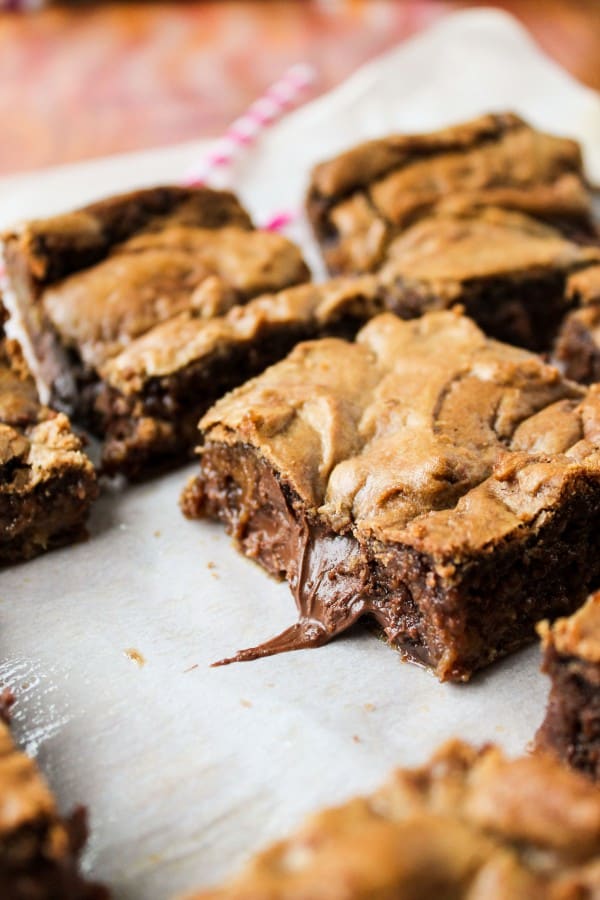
point(187, 770)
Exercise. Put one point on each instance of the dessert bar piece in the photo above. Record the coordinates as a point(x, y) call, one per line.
point(153, 393)
point(507, 270)
point(86, 283)
point(359, 201)
point(571, 728)
point(39, 849)
point(437, 481)
point(469, 825)
point(47, 484)
point(577, 349)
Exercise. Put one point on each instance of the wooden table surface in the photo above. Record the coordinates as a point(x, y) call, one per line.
point(104, 78)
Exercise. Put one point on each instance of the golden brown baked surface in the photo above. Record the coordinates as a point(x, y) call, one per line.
point(47, 483)
point(151, 278)
point(446, 251)
point(509, 271)
point(470, 824)
point(361, 199)
point(189, 337)
point(577, 635)
point(424, 433)
point(89, 282)
point(152, 394)
point(35, 441)
point(58, 245)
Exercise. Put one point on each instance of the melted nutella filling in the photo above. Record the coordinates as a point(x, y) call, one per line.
point(331, 576)
point(329, 583)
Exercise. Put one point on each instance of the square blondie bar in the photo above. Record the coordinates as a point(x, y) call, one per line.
point(424, 476)
point(362, 199)
point(87, 283)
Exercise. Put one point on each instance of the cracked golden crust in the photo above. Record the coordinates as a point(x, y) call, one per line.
point(446, 253)
point(577, 635)
point(360, 200)
point(189, 338)
point(56, 246)
point(470, 824)
point(151, 278)
point(424, 433)
point(371, 160)
point(35, 442)
point(90, 281)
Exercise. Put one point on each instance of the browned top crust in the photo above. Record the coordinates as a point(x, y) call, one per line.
point(35, 442)
point(424, 433)
point(152, 277)
point(189, 338)
point(59, 245)
point(358, 201)
point(108, 273)
point(577, 635)
point(446, 252)
point(367, 162)
point(470, 824)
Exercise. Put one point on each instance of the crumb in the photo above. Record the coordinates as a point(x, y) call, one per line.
point(246, 703)
point(356, 739)
point(190, 668)
point(135, 656)
point(369, 707)
point(211, 565)
point(157, 534)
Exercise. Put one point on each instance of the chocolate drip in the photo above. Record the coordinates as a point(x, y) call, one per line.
point(301, 636)
point(330, 579)
point(334, 579)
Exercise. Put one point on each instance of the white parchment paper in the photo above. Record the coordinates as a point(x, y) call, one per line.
point(187, 770)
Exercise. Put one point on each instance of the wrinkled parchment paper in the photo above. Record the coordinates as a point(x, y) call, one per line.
point(186, 770)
